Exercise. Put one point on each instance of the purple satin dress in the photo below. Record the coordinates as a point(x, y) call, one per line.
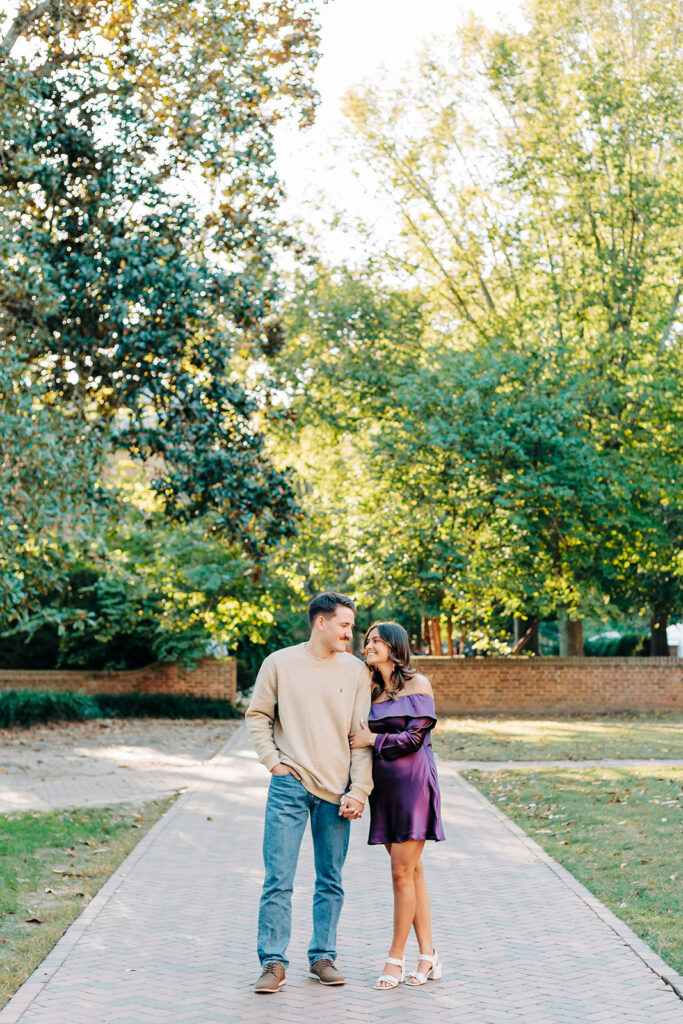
point(405, 802)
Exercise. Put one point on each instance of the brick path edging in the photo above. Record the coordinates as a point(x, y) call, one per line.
point(641, 949)
point(34, 985)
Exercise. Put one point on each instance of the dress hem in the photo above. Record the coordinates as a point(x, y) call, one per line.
point(406, 839)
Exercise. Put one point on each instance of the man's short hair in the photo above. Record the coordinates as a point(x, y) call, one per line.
point(326, 604)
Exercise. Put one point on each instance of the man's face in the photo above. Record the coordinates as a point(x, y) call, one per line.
point(337, 630)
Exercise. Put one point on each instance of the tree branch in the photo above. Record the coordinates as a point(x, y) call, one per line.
point(24, 19)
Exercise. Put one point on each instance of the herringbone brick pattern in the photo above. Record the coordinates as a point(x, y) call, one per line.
point(171, 938)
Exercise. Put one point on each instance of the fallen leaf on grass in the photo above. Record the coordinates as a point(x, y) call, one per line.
point(33, 920)
point(66, 872)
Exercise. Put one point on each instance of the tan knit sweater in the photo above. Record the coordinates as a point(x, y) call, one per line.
point(301, 713)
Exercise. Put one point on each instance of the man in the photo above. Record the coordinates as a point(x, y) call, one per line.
point(307, 699)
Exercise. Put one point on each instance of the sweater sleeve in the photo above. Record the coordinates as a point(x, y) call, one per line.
point(390, 745)
point(260, 714)
point(361, 759)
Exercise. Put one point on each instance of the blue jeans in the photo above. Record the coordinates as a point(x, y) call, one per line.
point(287, 811)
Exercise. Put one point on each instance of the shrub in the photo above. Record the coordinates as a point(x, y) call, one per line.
point(163, 705)
point(626, 645)
point(28, 707)
point(25, 707)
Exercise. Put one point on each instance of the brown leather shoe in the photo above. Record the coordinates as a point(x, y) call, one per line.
point(272, 978)
point(326, 973)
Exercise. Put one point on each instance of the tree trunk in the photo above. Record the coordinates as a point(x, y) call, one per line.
point(424, 629)
point(521, 627)
point(449, 635)
point(571, 637)
point(435, 636)
point(659, 647)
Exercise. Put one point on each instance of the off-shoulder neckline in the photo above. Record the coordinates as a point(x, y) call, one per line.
point(422, 693)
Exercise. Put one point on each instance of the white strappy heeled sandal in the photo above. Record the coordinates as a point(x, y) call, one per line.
point(434, 973)
point(391, 981)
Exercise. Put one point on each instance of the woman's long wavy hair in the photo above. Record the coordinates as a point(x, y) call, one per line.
point(396, 638)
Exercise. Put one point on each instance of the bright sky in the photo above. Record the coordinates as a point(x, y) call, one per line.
point(359, 36)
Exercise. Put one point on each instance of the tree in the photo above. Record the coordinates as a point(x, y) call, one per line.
point(140, 214)
point(49, 500)
point(537, 181)
point(348, 339)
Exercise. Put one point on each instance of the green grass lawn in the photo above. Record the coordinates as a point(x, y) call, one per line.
point(619, 831)
point(51, 865)
point(559, 739)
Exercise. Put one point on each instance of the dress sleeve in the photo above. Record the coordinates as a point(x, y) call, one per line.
point(390, 745)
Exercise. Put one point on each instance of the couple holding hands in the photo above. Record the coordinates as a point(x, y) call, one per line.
point(333, 733)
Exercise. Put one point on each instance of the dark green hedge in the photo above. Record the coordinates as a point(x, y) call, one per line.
point(26, 707)
point(627, 645)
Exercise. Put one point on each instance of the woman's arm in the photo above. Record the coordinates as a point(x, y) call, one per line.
point(391, 745)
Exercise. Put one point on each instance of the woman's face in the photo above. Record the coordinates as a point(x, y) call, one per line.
point(375, 650)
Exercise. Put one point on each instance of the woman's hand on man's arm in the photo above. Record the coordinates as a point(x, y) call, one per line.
point(362, 737)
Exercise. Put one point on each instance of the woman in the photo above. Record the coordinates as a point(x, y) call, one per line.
point(404, 804)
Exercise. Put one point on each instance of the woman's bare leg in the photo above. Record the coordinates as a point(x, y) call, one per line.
point(422, 922)
point(404, 860)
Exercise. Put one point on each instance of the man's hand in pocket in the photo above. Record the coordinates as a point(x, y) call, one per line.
point(284, 769)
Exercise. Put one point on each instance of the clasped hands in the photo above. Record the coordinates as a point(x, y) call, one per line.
point(350, 808)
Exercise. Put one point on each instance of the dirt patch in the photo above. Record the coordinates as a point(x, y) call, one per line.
point(105, 761)
point(196, 739)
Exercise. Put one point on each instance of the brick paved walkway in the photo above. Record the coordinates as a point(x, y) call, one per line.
point(170, 939)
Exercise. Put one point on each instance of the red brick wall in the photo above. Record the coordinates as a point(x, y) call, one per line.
point(213, 677)
point(461, 685)
point(542, 685)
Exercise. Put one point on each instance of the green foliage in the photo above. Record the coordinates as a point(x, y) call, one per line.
point(286, 628)
point(150, 591)
point(517, 450)
point(624, 646)
point(49, 500)
point(138, 236)
point(28, 707)
point(349, 341)
point(163, 705)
